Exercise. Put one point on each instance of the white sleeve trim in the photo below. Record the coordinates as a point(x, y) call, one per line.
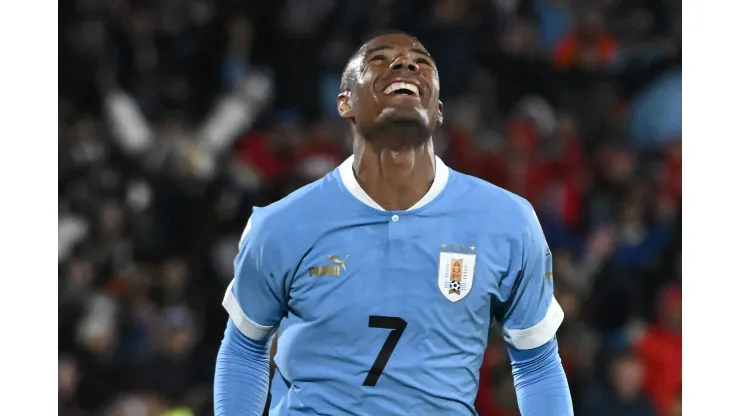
point(539, 334)
point(244, 233)
point(246, 326)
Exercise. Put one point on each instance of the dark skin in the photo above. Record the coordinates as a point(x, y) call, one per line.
point(394, 155)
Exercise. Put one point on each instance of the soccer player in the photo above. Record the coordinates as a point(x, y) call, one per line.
point(385, 276)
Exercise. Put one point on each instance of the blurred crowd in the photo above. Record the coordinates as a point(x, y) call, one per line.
point(177, 116)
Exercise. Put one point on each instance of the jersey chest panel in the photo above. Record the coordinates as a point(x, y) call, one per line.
point(356, 285)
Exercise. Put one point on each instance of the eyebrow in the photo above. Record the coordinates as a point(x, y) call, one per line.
point(386, 48)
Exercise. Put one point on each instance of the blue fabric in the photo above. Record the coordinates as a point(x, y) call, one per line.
point(656, 114)
point(385, 311)
point(242, 375)
point(540, 383)
point(555, 22)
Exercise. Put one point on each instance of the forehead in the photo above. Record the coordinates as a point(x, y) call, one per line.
point(394, 41)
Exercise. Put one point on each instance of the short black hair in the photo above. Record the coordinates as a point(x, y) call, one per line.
point(348, 75)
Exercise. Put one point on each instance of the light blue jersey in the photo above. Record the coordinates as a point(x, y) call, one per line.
point(388, 312)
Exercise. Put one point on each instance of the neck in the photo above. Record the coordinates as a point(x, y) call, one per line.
point(395, 179)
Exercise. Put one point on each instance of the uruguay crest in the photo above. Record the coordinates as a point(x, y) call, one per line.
point(455, 275)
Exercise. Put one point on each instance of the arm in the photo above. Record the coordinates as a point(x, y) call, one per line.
point(242, 374)
point(530, 319)
point(235, 113)
point(130, 128)
point(539, 380)
point(256, 304)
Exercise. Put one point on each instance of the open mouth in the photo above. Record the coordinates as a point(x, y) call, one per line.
point(402, 88)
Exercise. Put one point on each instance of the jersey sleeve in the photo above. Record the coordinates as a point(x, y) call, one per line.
point(255, 298)
point(531, 315)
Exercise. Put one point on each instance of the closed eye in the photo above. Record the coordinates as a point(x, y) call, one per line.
point(378, 58)
point(423, 61)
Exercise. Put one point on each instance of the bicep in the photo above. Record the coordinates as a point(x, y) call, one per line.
point(255, 299)
point(532, 315)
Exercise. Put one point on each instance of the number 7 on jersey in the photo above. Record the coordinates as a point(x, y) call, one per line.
point(397, 326)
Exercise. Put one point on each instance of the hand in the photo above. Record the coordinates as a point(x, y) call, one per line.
point(256, 87)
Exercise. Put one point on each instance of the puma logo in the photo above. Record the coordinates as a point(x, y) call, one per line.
point(335, 259)
point(330, 270)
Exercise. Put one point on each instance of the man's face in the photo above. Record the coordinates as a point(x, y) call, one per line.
point(396, 85)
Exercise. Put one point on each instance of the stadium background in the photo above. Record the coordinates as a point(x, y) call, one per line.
point(177, 116)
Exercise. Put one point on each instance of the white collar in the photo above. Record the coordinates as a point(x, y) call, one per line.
point(441, 175)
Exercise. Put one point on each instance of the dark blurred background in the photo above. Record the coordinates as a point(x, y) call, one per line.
point(177, 116)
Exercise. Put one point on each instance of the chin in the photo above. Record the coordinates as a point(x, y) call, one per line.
point(400, 128)
point(399, 115)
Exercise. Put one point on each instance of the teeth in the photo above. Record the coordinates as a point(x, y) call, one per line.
point(401, 86)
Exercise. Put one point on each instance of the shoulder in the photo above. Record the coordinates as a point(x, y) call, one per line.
point(285, 220)
point(496, 204)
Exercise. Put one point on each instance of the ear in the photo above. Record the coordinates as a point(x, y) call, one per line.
point(343, 105)
point(440, 113)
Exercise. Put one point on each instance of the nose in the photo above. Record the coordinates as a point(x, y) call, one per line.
point(404, 62)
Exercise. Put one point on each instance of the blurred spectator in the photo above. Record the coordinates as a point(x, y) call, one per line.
point(589, 46)
point(660, 350)
point(555, 20)
point(496, 392)
point(656, 113)
point(318, 154)
point(68, 384)
point(623, 393)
